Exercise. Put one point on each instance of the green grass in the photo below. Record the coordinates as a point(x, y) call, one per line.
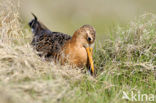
point(125, 61)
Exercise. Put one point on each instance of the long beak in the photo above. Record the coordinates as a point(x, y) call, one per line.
point(89, 52)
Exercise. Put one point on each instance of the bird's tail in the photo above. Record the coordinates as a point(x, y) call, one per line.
point(36, 26)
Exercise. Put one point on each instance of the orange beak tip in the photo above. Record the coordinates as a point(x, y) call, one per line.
point(89, 52)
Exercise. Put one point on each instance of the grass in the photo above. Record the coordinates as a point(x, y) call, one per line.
point(126, 61)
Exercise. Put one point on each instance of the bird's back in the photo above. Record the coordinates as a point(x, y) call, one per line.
point(49, 44)
point(45, 42)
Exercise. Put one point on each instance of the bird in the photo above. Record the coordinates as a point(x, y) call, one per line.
point(76, 50)
point(46, 42)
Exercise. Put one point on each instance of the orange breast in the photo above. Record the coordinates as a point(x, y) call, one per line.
point(75, 55)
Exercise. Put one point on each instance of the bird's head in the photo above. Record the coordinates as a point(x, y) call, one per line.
point(85, 35)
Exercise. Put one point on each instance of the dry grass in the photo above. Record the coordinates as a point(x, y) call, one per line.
point(22, 73)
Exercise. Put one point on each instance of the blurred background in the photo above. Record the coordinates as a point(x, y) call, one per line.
point(68, 15)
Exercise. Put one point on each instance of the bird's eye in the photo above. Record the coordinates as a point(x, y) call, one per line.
point(89, 39)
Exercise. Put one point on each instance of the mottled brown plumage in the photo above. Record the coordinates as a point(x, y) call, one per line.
point(46, 42)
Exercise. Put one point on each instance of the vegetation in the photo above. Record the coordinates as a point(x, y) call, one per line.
point(126, 61)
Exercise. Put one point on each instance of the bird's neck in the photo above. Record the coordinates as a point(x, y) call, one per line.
point(76, 40)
